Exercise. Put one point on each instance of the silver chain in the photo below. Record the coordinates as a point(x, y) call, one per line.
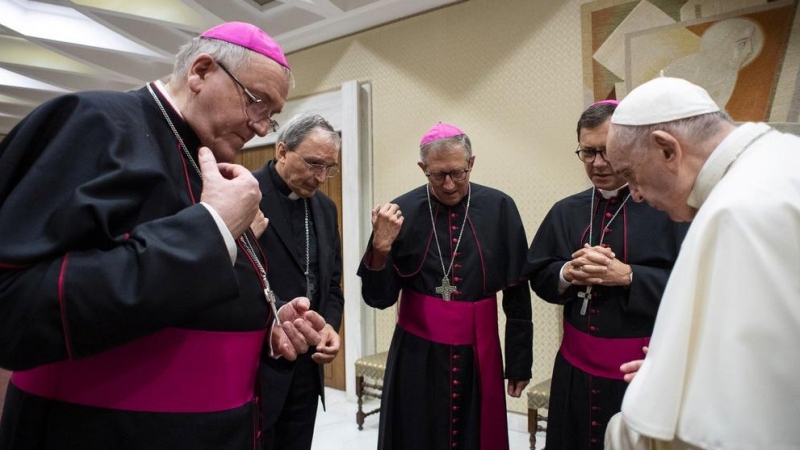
point(243, 239)
point(460, 234)
point(591, 217)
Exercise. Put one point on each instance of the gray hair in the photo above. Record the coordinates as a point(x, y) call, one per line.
point(691, 129)
point(440, 144)
point(234, 57)
point(294, 132)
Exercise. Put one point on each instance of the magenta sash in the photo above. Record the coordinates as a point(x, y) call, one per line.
point(599, 356)
point(466, 323)
point(173, 370)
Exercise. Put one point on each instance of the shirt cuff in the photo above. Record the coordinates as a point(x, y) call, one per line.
point(562, 283)
point(223, 230)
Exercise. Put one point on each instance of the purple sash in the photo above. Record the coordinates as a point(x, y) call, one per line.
point(599, 356)
point(466, 323)
point(173, 370)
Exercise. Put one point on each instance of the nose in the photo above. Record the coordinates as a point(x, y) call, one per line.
point(448, 181)
point(600, 160)
point(321, 175)
point(261, 128)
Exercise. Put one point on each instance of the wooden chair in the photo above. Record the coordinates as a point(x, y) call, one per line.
point(538, 397)
point(369, 382)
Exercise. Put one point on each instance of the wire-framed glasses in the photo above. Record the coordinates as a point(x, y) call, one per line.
point(455, 175)
point(588, 154)
point(330, 171)
point(256, 110)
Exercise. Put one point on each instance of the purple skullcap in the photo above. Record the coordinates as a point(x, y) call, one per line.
point(250, 37)
point(440, 131)
point(605, 102)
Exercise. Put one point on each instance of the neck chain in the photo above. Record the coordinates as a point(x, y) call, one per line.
point(591, 217)
point(244, 240)
point(309, 286)
point(446, 288)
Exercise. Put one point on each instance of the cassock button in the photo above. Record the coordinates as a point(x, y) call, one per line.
point(457, 266)
point(595, 424)
point(594, 441)
point(455, 241)
point(455, 395)
point(613, 200)
point(604, 245)
point(593, 311)
point(592, 328)
point(608, 214)
point(456, 292)
point(454, 445)
point(595, 391)
point(454, 228)
point(453, 215)
point(455, 420)
point(607, 230)
point(456, 356)
point(595, 408)
point(456, 382)
point(455, 408)
point(456, 279)
point(455, 369)
point(455, 432)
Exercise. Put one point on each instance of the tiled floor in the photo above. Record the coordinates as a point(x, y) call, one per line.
point(336, 428)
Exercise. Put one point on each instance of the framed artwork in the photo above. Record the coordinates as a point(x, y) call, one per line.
point(745, 53)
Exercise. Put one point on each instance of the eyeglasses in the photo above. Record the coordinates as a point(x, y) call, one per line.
point(455, 175)
point(329, 171)
point(257, 110)
point(588, 154)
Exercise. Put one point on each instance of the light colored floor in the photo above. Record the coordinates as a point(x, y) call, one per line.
point(336, 428)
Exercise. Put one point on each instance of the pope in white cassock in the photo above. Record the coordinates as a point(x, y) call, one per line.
point(723, 366)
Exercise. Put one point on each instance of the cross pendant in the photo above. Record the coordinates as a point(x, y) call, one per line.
point(445, 289)
point(309, 287)
point(272, 304)
point(586, 296)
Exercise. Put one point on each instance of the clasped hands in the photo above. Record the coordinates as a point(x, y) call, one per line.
point(596, 265)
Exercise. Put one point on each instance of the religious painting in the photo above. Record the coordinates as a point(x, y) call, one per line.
point(745, 53)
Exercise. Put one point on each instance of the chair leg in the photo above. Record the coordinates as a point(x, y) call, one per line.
point(360, 394)
point(533, 420)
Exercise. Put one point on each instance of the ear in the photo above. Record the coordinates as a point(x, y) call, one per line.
point(280, 151)
point(471, 161)
point(201, 67)
point(669, 148)
point(421, 166)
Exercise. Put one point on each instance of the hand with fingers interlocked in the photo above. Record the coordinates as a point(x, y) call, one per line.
point(597, 265)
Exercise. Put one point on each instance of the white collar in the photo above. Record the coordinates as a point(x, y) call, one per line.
point(611, 194)
point(721, 159)
point(163, 90)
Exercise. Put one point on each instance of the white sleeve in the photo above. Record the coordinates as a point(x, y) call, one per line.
point(223, 230)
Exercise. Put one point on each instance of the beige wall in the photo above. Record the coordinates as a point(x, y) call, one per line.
point(508, 72)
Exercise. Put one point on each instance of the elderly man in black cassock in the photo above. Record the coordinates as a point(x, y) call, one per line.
point(448, 247)
point(607, 260)
point(304, 256)
point(135, 302)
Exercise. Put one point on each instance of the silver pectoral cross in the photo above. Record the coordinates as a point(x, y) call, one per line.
point(586, 296)
point(445, 289)
point(272, 303)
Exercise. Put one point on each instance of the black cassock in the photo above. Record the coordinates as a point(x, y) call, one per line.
point(644, 238)
point(425, 403)
point(103, 242)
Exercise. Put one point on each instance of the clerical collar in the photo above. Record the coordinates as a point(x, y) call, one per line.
point(281, 185)
point(722, 158)
point(162, 89)
point(611, 194)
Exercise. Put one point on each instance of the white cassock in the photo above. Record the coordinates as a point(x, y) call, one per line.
point(723, 371)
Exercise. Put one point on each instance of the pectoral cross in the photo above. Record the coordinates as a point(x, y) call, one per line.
point(272, 301)
point(309, 287)
point(445, 289)
point(586, 296)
